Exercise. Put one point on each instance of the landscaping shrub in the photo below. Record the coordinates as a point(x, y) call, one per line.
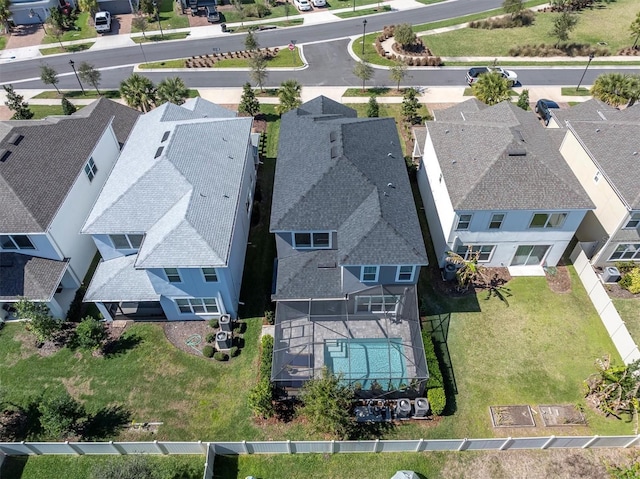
point(220, 356)
point(233, 352)
point(90, 333)
point(266, 356)
point(631, 280)
point(435, 376)
point(269, 316)
point(208, 351)
point(69, 108)
point(60, 415)
point(625, 266)
point(437, 400)
point(210, 338)
point(213, 323)
point(261, 399)
point(42, 325)
point(523, 19)
point(262, 10)
point(565, 49)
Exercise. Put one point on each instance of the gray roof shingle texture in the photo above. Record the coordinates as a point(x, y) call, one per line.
point(117, 280)
point(38, 174)
point(592, 109)
point(183, 193)
point(29, 276)
point(343, 174)
point(480, 173)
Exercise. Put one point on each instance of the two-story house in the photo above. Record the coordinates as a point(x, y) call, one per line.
point(494, 185)
point(349, 250)
point(602, 148)
point(51, 172)
point(172, 221)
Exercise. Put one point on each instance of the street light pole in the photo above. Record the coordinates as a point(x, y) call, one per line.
point(585, 71)
point(33, 13)
point(364, 32)
point(73, 65)
point(155, 5)
point(354, 5)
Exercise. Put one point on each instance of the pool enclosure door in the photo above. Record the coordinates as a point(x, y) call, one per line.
point(530, 255)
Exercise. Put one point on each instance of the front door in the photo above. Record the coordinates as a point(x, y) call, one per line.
point(530, 255)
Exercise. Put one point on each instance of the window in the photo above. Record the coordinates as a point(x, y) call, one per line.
point(369, 273)
point(463, 222)
point(16, 242)
point(377, 304)
point(210, 275)
point(596, 177)
point(126, 241)
point(90, 169)
point(626, 251)
point(634, 221)
point(496, 221)
point(405, 273)
point(319, 240)
point(483, 251)
point(198, 306)
point(173, 275)
point(547, 220)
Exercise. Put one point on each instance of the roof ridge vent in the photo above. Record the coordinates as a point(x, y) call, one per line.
point(334, 152)
point(159, 152)
point(4, 154)
point(16, 138)
point(333, 136)
point(517, 152)
point(165, 135)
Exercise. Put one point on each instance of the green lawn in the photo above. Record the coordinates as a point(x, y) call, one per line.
point(77, 94)
point(366, 11)
point(375, 91)
point(285, 23)
point(171, 17)
point(83, 30)
point(161, 38)
point(572, 91)
point(283, 59)
point(497, 42)
point(629, 310)
point(3, 41)
point(42, 111)
point(79, 47)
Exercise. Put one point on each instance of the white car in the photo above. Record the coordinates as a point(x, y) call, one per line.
point(318, 3)
point(302, 5)
point(510, 75)
point(102, 22)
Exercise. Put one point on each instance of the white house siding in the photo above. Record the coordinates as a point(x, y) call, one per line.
point(435, 199)
point(43, 247)
point(20, 11)
point(65, 226)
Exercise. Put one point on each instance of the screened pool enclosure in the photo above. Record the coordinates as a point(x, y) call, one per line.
point(371, 338)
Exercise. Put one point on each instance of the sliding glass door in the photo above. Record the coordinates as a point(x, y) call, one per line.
point(530, 255)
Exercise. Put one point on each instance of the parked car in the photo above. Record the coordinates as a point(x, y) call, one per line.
point(302, 5)
point(212, 14)
point(474, 73)
point(102, 21)
point(318, 3)
point(543, 109)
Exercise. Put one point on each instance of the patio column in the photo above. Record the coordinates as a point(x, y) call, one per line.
point(104, 311)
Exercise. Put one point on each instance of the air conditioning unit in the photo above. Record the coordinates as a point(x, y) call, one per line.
point(403, 408)
point(611, 274)
point(421, 407)
point(225, 322)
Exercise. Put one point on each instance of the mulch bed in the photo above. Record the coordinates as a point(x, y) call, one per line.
point(511, 416)
point(558, 279)
point(561, 415)
point(188, 336)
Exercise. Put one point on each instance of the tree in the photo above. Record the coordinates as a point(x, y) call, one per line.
point(134, 466)
point(404, 35)
point(249, 104)
point(138, 92)
point(146, 6)
point(140, 23)
point(258, 66)
point(68, 108)
point(635, 29)
point(90, 333)
point(289, 96)
point(251, 42)
point(491, 88)
point(326, 404)
point(90, 75)
point(5, 14)
point(56, 19)
point(60, 415)
point(523, 99)
point(242, 12)
point(49, 76)
point(41, 324)
point(173, 90)
point(261, 399)
point(56, 32)
point(398, 72)
point(373, 109)
point(616, 88)
point(287, 9)
point(410, 105)
point(90, 6)
point(564, 24)
point(514, 7)
point(364, 71)
point(17, 105)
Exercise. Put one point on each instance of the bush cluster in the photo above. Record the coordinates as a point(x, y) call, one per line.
point(437, 400)
point(214, 323)
point(266, 357)
point(631, 280)
point(220, 356)
point(208, 351)
point(435, 384)
point(566, 49)
point(261, 395)
point(269, 316)
point(210, 338)
point(523, 19)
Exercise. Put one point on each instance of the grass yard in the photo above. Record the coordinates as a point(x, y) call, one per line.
point(375, 91)
point(284, 58)
point(160, 38)
point(285, 23)
point(43, 111)
point(3, 41)
point(572, 91)
point(83, 30)
point(79, 47)
point(629, 310)
point(366, 11)
point(616, 16)
point(77, 94)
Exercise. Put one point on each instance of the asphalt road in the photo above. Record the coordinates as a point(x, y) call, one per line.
point(325, 48)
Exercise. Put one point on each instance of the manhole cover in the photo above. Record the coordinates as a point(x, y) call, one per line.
point(511, 416)
point(561, 415)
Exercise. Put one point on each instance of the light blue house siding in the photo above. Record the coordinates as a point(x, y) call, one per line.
point(387, 275)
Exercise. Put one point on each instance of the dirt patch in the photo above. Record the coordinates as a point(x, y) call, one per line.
point(558, 278)
point(499, 276)
point(188, 336)
point(511, 416)
point(561, 415)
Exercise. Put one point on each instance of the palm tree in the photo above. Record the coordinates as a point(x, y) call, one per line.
point(289, 96)
point(139, 92)
point(491, 88)
point(616, 88)
point(173, 90)
point(470, 273)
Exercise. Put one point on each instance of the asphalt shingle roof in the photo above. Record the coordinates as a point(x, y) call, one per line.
point(37, 175)
point(117, 280)
point(29, 276)
point(509, 162)
point(592, 109)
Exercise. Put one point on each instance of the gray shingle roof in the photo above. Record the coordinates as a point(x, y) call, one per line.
point(38, 174)
point(459, 111)
point(182, 192)
point(118, 280)
point(29, 276)
point(615, 146)
point(480, 174)
point(346, 175)
point(592, 109)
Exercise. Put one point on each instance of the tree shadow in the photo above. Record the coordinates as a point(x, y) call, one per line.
point(13, 466)
point(121, 345)
point(369, 431)
point(439, 333)
point(107, 422)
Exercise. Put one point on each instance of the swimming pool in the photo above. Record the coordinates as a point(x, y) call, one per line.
point(367, 360)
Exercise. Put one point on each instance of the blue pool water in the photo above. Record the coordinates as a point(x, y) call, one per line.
point(367, 360)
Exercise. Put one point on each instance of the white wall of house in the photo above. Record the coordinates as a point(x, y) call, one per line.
point(20, 11)
point(64, 231)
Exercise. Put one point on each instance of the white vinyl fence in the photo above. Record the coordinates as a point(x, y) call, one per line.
point(608, 313)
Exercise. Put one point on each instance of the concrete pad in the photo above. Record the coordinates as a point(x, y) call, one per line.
point(206, 32)
point(323, 16)
point(535, 270)
point(112, 41)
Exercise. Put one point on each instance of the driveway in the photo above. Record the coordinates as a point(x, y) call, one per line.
point(25, 36)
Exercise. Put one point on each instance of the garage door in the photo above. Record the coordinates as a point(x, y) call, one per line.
point(115, 6)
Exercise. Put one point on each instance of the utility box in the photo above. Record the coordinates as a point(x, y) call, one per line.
point(225, 323)
point(403, 408)
point(223, 340)
point(421, 407)
point(611, 274)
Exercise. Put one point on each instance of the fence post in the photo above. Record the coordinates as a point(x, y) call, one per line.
point(376, 445)
point(205, 448)
point(548, 442)
point(76, 450)
point(630, 443)
point(289, 446)
point(31, 448)
point(160, 447)
point(505, 444)
point(419, 446)
point(333, 446)
point(244, 447)
point(462, 444)
point(590, 441)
